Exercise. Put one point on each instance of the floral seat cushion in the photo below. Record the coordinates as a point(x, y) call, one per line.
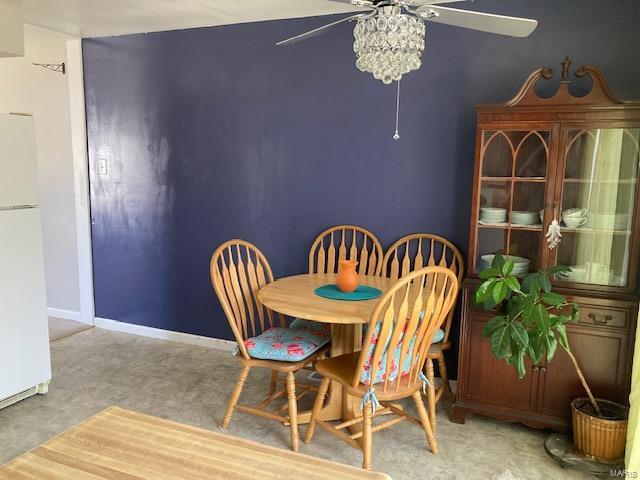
point(285, 344)
point(302, 324)
point(381, 371)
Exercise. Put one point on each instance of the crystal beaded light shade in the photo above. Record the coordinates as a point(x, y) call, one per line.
point(389, 44)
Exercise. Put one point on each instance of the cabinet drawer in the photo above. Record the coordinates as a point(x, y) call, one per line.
point(592, 315)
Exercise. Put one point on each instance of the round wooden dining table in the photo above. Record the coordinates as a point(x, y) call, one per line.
point(295, 296)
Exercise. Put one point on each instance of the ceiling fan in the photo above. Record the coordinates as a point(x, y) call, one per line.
point(389, 36)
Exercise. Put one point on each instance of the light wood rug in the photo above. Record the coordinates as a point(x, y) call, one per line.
point(118, 444)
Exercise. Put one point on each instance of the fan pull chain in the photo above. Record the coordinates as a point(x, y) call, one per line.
point(396, 136)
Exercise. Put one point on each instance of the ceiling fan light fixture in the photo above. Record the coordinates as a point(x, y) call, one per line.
point(389, 44)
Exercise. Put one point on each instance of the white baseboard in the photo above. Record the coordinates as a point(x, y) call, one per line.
point(189, 338)
point(66, 315)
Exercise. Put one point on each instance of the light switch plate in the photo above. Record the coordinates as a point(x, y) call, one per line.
point(102, 167)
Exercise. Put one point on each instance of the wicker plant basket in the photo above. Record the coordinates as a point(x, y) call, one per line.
point(601, 439)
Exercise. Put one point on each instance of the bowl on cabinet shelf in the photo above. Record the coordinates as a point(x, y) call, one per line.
point(575, 217)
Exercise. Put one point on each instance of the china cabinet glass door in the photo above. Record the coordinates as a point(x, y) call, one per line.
point(512, 197)
point(598, 203)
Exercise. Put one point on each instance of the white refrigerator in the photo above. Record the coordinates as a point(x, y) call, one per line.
point(25, 365)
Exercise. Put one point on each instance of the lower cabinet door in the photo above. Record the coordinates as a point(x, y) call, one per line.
point(491, 381)
point(602, 356)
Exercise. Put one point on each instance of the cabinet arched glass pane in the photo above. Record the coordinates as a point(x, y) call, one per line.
point(531, 155)
point(497, 158)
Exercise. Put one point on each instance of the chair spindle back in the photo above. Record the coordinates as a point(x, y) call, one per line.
point(408, 315)
point(409, 253)
point(238, 271)
point(346, 242)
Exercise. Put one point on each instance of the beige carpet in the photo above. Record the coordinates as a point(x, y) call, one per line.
point(60, 328)
point(189, 384)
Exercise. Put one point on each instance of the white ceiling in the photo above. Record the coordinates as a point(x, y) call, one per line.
point(95, 18)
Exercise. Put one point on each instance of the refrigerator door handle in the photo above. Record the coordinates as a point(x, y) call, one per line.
point(17, 207)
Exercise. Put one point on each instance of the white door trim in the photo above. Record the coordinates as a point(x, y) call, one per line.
point(81, 179)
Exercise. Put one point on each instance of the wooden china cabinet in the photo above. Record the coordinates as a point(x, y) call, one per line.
point(554, 154)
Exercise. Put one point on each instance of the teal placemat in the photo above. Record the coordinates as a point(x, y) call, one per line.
point(361, 293)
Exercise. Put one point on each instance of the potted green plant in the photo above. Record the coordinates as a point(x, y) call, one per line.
point(531, 320)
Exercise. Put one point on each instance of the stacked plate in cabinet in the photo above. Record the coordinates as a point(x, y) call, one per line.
point(520, 264)
point(524, 218)
point(493, 215)
point(611, 221)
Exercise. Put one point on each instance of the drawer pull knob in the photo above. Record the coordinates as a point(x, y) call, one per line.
point(543, 369)
point(600, 319)
point(535, 369)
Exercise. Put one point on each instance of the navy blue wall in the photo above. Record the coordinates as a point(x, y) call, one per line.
point(215, 133)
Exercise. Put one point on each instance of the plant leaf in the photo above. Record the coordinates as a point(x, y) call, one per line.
point(553, 299)
point(500, 342)
point(551, 345)
point(520, 364)
point(539, 317)
point(512, 283)
point(499, 291)
point(562, 336)
point(507, 267)
point(498, 261)
point(489, 273)
point(484, 290)
point(519, 334)
point(559, 320)
point(531, 284)
point(492, 324)
point(543, 318)
point(536, 347)
point(558, 269)
point(489, 304)
point(575, 312)
point(545, 283)
point(515, 304)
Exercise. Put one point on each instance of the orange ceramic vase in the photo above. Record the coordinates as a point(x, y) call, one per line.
point(347, 278)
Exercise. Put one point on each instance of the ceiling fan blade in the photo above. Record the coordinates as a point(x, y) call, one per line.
point(319, 30)
point(484, 22)
point(357, 3)
point(422, 3)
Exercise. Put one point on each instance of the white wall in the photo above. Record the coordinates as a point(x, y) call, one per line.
point(11, 29)
point(45, 94)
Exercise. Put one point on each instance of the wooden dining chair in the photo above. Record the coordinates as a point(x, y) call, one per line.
point(342, 242)
point(346, 242)
point(389, 366)
point(238, 271)
point(413, 252)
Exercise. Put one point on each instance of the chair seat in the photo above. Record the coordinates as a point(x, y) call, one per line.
point(286, 344)
point(302, 324)
point(437, 338)
point(342, 369)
